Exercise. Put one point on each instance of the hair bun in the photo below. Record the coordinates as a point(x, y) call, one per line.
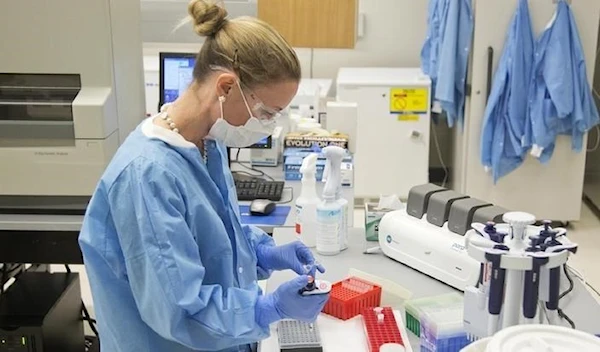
point(207, 16)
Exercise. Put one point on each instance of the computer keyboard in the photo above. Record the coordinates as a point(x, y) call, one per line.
point(251, 189)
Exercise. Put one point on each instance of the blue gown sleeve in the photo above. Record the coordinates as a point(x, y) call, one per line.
point(259, 238)
point(165, 270)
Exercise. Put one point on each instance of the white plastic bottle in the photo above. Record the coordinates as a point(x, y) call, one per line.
point(331, 238)
point(306, 204)
point(329, 217)
point(344, 226)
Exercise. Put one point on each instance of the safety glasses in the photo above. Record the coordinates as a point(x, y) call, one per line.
point(260, 110)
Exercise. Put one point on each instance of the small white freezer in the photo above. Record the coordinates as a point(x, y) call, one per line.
point(392, 128)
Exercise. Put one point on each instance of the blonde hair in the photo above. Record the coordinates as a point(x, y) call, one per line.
point(251, 48)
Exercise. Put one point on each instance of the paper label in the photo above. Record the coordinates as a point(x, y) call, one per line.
point(403, 117)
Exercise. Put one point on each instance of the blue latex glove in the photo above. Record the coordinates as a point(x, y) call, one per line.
point(287, 303)
point(295, 256)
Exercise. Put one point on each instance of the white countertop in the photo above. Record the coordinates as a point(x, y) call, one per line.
point(580, 305)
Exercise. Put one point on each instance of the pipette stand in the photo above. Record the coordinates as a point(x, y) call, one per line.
point(520, 267)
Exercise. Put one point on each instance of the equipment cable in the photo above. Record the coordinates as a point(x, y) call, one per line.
point(439, 153)
point(86, 314)
point(291, 197)
point(561, 313)
point(259, 173)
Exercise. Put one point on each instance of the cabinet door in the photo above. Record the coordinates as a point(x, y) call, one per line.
point(313, 23)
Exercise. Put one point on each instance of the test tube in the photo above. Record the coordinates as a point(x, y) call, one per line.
point(380, 318)
point(378, 310)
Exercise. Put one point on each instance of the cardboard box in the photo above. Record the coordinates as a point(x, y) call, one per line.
point(298, 140)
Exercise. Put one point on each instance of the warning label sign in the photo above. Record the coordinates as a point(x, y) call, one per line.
point(409, 100)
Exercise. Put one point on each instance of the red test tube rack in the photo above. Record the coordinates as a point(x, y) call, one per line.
point(381, 328)
point(349, 297)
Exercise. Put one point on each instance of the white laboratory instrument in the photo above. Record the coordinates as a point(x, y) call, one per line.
point(428, 235)
point(71, 90)
point(342, 117)
point(269, 155)
point(522, 269)
point(392, 128)
point(433, 250)
point(312, 96)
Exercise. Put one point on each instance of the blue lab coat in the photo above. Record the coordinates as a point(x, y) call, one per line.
point(506, 111)
point(560, 97)
point(170, 266)
point(445, 54)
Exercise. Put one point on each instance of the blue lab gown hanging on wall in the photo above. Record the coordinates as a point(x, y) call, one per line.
point(506, 111)
point(560, 97)
point(445, 54)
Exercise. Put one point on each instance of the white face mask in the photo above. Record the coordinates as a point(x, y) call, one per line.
point(243, 136)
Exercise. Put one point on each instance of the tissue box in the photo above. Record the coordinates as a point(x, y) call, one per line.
point(372, 218)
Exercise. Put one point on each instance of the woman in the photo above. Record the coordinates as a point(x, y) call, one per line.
point(170, 266)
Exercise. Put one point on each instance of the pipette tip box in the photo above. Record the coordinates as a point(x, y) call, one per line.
point(298, 336)
point(349, 297)
point(381, 328)
point(414, 308)
point(442, 330)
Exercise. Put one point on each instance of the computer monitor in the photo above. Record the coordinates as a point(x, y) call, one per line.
point(175, 75)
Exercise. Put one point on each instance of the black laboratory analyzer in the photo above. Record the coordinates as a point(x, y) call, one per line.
point(41, 312)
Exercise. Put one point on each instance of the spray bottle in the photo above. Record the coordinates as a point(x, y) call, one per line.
point(306, 204)
point(330, 212)
point(344, 227)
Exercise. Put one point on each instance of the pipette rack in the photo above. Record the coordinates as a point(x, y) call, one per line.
point(350, 296)
point(521, 272)
point(381, 327)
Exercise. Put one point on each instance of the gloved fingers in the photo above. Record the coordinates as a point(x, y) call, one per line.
point(298, 282)
point(300, 269)
point(311, 269)
point(320, 267)
point(304, 254)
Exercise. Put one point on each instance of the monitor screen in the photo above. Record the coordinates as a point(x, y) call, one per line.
point(264, 143)
point(175, 76)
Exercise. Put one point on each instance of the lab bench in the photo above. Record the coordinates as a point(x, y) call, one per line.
point(579, 305)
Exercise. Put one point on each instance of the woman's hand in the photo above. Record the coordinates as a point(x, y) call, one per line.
point(295, 256)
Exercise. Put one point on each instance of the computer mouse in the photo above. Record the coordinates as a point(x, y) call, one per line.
point(262, 207)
